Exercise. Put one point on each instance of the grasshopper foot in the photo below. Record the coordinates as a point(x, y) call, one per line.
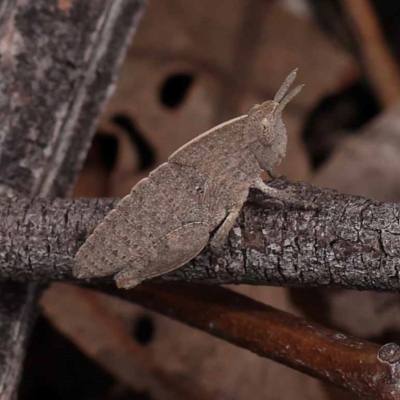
point(283, 196)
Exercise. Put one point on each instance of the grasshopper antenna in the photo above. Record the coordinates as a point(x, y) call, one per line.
point(289, 97)
point(285, 86)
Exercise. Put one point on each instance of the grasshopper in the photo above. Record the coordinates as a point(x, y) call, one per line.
point(192, 199)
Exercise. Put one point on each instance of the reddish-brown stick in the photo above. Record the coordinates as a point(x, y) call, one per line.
point(362, 367)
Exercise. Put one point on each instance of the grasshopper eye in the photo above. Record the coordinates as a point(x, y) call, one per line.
point(266, 133)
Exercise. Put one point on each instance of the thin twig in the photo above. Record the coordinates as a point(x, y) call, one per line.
point(378, 61)
point(353, 364)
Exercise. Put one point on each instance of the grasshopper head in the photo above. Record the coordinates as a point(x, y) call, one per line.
point(265, 131)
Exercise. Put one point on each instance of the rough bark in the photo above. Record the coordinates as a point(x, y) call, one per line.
point(341, 241)
point(59, 60)
point(367, 165)
point(16, 315)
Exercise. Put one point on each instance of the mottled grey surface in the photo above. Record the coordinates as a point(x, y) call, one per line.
point(58, 66)
point(169, 217)
point(344, 241)
point(58, 63)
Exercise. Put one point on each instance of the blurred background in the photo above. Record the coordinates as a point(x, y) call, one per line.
point(191, 66)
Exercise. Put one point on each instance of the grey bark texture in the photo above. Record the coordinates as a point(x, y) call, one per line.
point(341, 241)
point(59, 61)
point(368, 165)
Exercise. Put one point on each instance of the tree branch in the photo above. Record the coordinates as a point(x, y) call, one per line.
point(58, 63)
point(364, 368)
point(377, 59)
point(17, 306)
point(343, 241)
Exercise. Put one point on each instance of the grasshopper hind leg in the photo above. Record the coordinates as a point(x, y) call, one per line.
point(170, 252)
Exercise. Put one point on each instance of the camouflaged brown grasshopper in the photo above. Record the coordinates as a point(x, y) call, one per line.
point(194, 198)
